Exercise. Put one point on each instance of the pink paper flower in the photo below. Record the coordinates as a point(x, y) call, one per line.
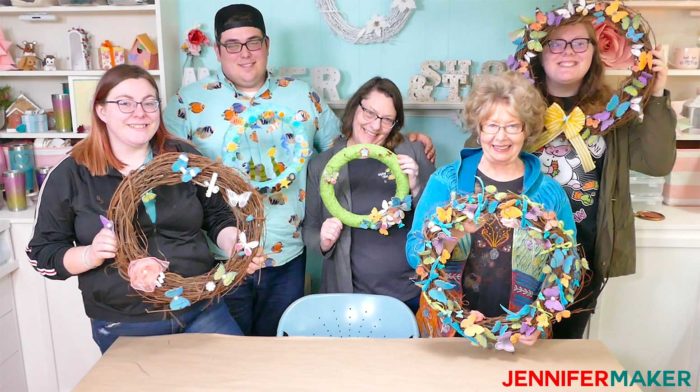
point(143, 273)
point(614, 47)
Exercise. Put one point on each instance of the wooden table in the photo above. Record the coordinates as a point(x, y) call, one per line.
point(198, 362)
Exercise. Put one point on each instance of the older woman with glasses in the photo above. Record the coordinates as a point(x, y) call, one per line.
point(507, 111)
point(71, 239)
point(358, 260)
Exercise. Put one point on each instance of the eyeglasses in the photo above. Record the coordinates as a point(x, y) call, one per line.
point(252, 45)
point(493, 128)
point(370, 115)
point(578, 45)
point(129, 105)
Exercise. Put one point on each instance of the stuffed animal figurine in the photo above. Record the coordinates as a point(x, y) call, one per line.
point(50, 62)
point(29, 60)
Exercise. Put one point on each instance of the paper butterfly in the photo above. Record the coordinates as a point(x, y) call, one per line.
point(645, 61)
point(243, 247)
point(552, 303)
point(178, 301)
point(149, 204)
point(225, 277)
point(563, 12)
point(211, 185)
point(634, 22)
point(633, 35)
point(236, 200)
point(180, 166)
point(106, 223)
point(615, 105)
point(614, 13)
point(444, 215)
point(583, 8)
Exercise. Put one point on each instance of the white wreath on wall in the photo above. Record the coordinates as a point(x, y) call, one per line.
point(378, 29)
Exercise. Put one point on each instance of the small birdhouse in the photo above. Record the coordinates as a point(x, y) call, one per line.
point(144, 52)
point(16, 110)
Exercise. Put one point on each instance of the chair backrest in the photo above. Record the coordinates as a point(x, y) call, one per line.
point(348, 315)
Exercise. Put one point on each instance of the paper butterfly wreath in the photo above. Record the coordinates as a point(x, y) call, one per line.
point(148, 275)
point(561, 275)
point(253, 124)
point(632, 92)
point(392, 212)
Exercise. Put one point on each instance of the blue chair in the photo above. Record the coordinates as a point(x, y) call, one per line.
point(348, 315)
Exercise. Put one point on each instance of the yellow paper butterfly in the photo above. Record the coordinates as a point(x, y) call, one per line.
point(555, 119)
point(614, 13)
point(225, 277)
point(645, 59)
point(444, 215)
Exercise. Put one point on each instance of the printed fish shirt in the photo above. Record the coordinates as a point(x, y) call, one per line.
point(270, 136)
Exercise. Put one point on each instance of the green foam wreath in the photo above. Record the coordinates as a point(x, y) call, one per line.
point(392, 211)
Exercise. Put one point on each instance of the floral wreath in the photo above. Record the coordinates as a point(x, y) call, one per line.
point(148, 275)
point(292, 140)
point(392, 211)
point(625, 104)
point(561, 275)
point(378, 29)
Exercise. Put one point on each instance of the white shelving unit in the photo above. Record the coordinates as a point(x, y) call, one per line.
point(118, 24)
point(45, 135)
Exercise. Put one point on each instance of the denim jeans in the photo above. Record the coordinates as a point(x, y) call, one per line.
point(212, 319)
point(258, 303)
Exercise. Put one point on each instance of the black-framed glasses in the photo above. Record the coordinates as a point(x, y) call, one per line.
point(370, 115)
point(252, 45)
point(578, 45)
point(493, 128)
point(129, 105)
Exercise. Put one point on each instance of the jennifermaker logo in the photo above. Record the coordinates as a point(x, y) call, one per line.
point(597, 378)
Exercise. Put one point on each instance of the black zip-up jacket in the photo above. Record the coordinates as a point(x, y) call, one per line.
point(67, 215)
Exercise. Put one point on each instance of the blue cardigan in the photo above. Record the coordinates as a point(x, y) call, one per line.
point(460, 176)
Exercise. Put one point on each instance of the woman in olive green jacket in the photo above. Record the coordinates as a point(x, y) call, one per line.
point(569, 72)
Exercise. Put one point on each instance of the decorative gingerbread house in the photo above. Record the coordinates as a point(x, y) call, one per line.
point(16, 110)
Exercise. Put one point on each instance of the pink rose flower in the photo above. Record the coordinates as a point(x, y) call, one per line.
point(613, 46)
point(143, 273)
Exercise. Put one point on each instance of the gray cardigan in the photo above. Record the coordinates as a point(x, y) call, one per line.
point(337, 273)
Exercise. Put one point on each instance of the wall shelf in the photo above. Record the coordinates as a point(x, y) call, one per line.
point(77, 9)
point(60, 73)
point(678, 4)
point(40, 135)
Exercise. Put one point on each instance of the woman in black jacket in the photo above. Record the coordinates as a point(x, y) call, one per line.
point(70, 238)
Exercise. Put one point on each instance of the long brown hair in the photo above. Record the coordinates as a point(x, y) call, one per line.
point(593, 94)
point(95, 151)
point(386, 87)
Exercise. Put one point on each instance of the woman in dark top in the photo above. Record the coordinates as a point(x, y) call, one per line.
point(70, 239)
point(359, 260)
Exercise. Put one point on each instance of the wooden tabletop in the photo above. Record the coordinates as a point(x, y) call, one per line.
point(189, 362)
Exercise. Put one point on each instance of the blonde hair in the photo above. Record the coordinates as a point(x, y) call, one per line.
point(513, 90)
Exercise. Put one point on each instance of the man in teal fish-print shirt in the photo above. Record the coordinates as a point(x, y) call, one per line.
point(267, 127)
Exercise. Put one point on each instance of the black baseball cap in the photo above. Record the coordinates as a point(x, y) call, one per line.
point(237, 15)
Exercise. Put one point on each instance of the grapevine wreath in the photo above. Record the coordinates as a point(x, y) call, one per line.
point(626, 102)
point(172, 291)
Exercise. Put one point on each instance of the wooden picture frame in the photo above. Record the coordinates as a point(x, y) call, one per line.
point(82, 90)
